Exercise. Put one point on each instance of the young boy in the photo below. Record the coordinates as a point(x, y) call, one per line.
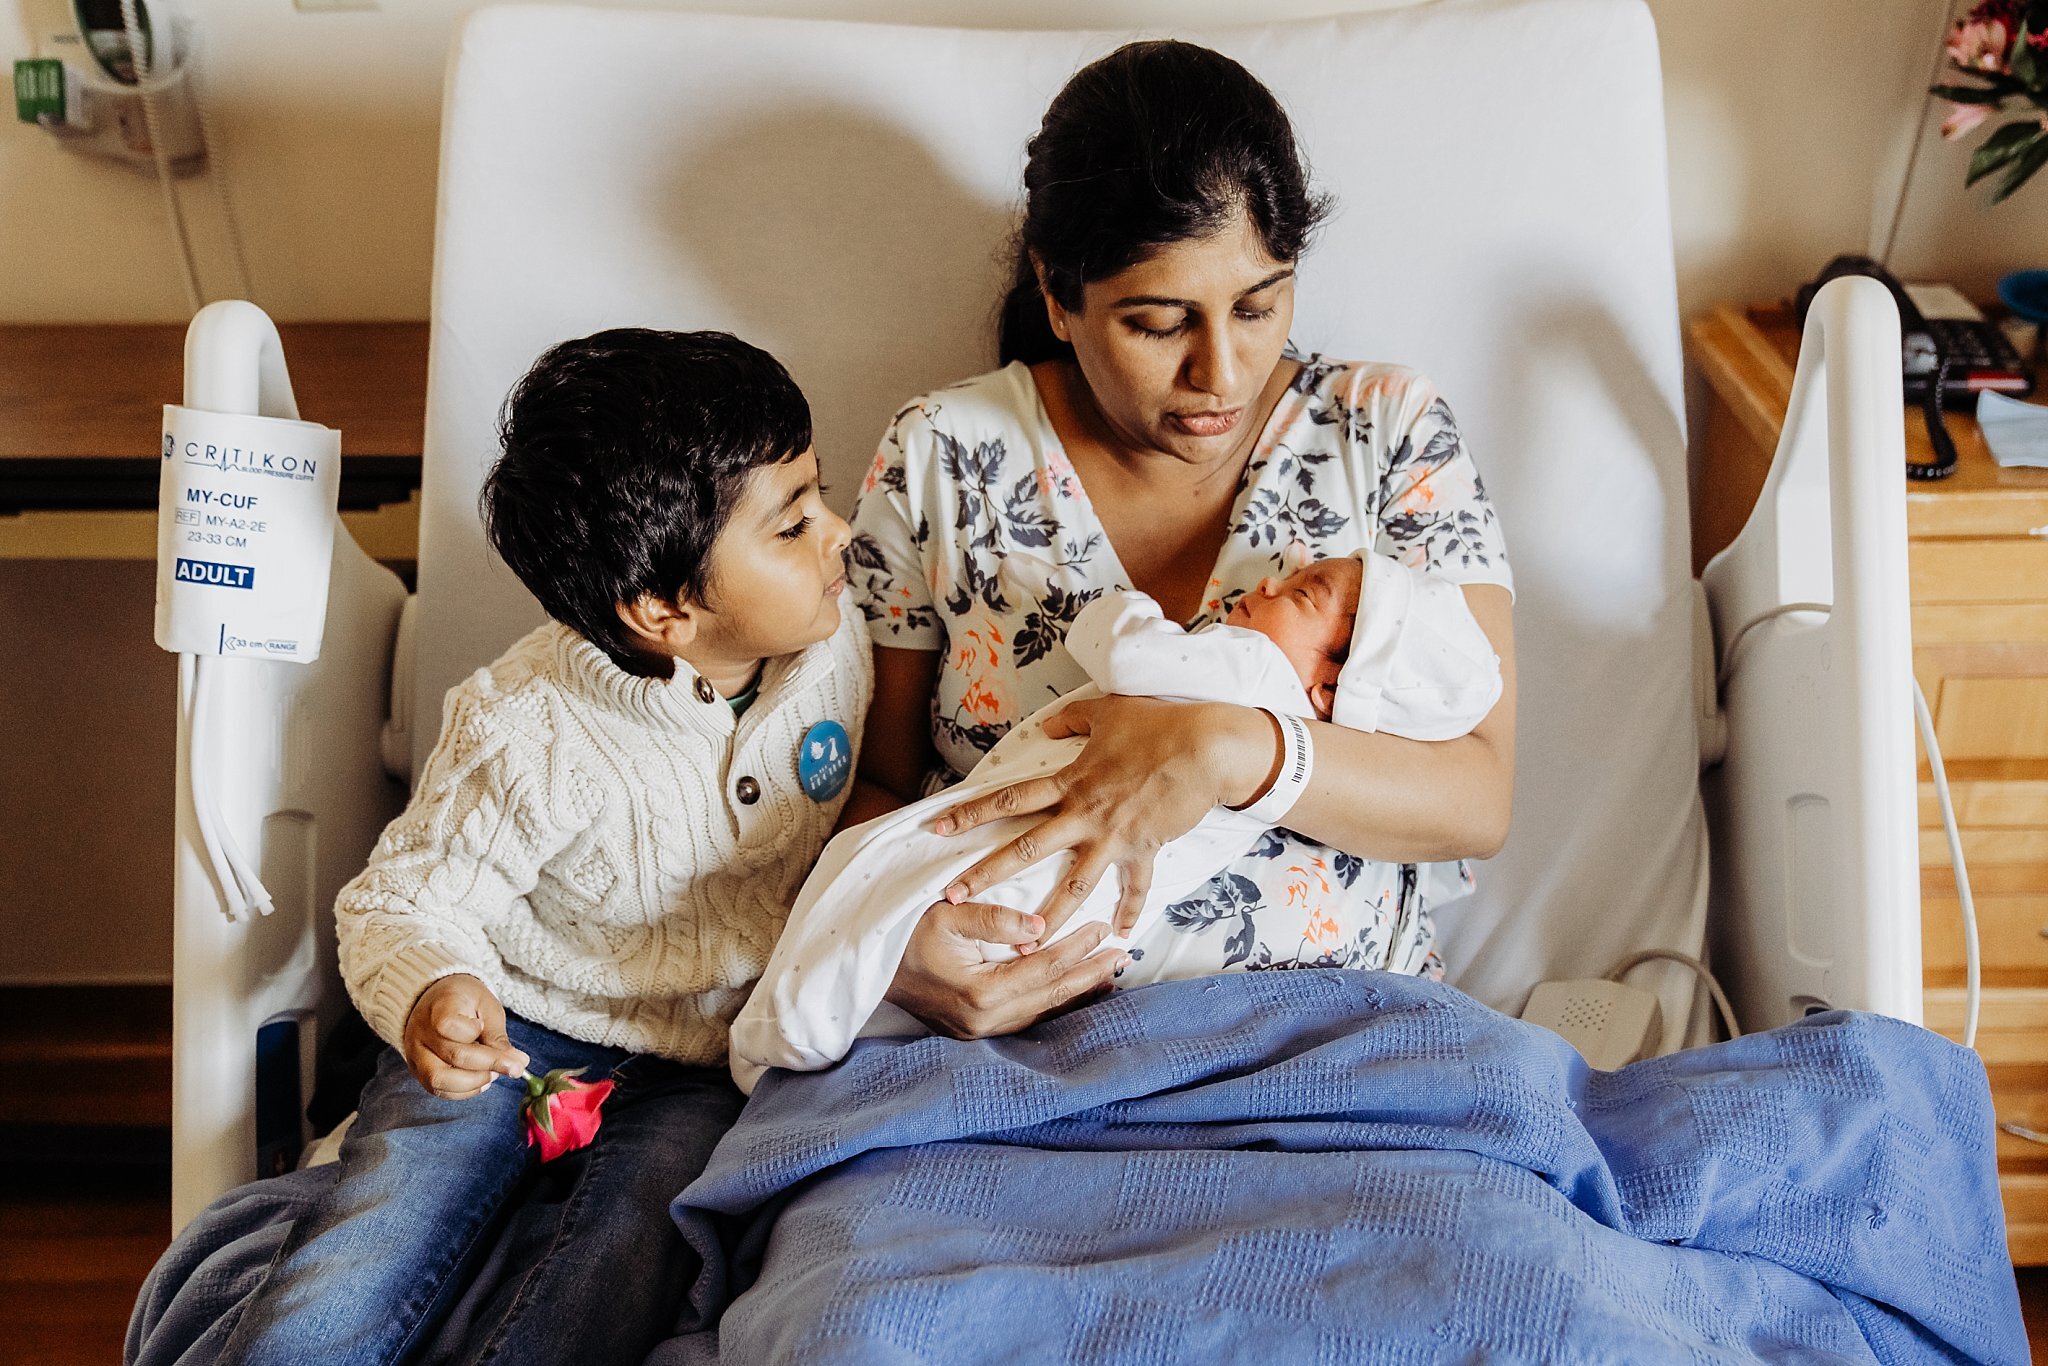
point(1363, 641)
point(597, 859)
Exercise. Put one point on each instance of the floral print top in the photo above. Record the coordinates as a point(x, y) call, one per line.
point(974, 537)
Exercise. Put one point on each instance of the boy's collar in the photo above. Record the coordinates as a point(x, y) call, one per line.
point(686, 698)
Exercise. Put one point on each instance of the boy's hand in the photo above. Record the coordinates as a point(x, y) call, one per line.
point(455, 1039)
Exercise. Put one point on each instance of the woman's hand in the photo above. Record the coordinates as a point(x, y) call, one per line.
point(1150, 772)
point(944, 982)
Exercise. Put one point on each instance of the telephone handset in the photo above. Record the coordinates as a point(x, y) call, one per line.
point(1945, 361)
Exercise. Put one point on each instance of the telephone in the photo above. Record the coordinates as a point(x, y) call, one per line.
point(1945, 361)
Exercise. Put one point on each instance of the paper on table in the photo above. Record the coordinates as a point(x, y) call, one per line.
point(1942, 301)
point(2016, 432)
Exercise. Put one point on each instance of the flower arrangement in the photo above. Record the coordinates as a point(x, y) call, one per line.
point(2004, 45)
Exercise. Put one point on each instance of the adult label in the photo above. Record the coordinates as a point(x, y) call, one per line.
point(245, 534)
point(218, 575)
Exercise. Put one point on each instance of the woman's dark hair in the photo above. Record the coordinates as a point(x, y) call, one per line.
point(1157, 143)
point(623, 454)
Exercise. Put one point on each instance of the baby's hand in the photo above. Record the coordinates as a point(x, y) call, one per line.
point(455, 1039)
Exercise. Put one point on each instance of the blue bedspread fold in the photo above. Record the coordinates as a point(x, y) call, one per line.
point(1342, 1166)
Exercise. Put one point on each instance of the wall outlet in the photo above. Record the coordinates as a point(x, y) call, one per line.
point(104, 117)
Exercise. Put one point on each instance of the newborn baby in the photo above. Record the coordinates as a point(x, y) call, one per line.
point(1363, 641)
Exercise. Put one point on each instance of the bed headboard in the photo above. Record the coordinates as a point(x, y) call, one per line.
point(841, 194)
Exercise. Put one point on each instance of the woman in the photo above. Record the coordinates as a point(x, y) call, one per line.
point(1151, 429)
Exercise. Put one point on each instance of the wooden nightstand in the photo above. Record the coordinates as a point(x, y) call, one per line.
point(1978, 550)
point(81, 415)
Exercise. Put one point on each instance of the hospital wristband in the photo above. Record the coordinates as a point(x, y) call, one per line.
point(1297, 762)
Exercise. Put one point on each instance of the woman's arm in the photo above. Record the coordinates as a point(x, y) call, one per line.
point(896, 747)
point(1153, 769)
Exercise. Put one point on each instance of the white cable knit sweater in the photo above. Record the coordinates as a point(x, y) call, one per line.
point(581, 840)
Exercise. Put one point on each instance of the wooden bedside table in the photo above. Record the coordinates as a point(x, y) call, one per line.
point(1978, 554)
point(81, 417)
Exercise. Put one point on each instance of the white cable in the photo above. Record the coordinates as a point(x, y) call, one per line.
point(214, 827)
point(142, 61)
point(217, 173)
point(1972, 959)
point(254, 895)
point(1728, 653)
point(1972, 964)
point(1636, 960)
point(195, 687)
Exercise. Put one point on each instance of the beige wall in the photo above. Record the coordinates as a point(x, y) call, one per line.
point(1789, 122)
point(86, 780)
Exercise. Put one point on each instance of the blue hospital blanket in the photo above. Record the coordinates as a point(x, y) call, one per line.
point(1336, 1166)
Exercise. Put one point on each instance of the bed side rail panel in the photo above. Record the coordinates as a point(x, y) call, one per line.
point(1813, 809)
point(302, 787)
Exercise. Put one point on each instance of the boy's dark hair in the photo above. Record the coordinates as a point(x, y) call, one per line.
point(1157, 143)
point(622, 455)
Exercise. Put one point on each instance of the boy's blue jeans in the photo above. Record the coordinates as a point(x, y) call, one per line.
point(425, 1183)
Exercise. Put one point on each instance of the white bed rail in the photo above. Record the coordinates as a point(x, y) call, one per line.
point(1815, 826)
point(296, 762)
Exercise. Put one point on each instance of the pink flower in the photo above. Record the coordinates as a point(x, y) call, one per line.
point(1980, 44)
point(1962, 118)
point(562, 1113)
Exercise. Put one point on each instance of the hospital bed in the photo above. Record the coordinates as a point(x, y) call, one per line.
point(1725, 765)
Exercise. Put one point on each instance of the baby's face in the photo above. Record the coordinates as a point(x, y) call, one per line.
point(1308, 615)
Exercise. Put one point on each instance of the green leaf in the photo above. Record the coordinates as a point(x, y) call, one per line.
point(2022, 60)
point(559, 1080)
point(1998, 82)
point(2023, 167)
point(539, 1112)
point(2002, 146)
point(1966, 94)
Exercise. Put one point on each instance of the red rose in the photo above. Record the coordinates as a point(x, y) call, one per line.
point(2007, 12)
point(562, 1113)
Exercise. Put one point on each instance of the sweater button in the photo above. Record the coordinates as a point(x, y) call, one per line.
point(705, 692)
point(747, 790)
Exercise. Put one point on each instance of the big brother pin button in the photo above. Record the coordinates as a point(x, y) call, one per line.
point(824, 760)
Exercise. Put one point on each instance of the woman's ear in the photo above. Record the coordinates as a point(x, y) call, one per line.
point(1055, 316)
point(660, 625)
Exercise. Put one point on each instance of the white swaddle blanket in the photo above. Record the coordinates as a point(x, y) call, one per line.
point(1420, 667)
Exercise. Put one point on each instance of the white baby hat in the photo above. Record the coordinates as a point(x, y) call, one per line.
point(1420, 666)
